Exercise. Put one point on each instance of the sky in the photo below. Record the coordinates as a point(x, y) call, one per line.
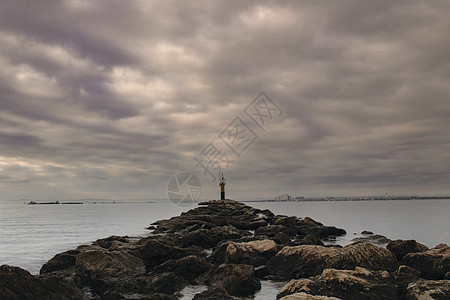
point(111, 99)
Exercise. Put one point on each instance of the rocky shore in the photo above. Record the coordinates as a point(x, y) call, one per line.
point(230, 247)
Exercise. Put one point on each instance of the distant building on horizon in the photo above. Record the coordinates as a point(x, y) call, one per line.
point(284, 197)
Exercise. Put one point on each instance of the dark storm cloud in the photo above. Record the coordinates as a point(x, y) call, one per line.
point(111, 98)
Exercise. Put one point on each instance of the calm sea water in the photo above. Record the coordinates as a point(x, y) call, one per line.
point(426, 221)
point(32, 234)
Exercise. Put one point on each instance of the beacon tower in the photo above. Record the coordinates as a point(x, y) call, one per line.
point(222, 188)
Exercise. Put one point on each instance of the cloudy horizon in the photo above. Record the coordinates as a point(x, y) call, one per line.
point(110, 99)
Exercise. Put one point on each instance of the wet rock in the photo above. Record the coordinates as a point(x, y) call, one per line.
point(261, 272)
point(402, 247)
point(254, 253)
point(213, 294)
point(311, 240)
point(309, 260)
point(298, 261)
point(104, 270)
point(429, 289)
point(366, 232)
point(310, 222)
point(206, 238)
point(60, 261)
point(16, 283)
point(289, 222)
point(111, 241)
point(236, 279)
point(345, 284)
point(305, 296)
point(327, 231)
point(188, 267)
point(154, 253)
point(360, 283)
point(167, 283)
point(247, 225)
point(376, 239)
point(282, 238)
point(97, 261)
point(363, 255)
point(433, 263)
point(199, 219)
point(267, 213)
point(403, 276)
point(272, 230)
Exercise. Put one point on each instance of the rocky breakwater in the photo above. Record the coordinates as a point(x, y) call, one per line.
point(405, 270)
point(230, 247)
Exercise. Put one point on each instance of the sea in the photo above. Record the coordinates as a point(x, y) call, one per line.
point(30, 235)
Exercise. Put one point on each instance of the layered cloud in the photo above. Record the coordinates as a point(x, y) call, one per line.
point(111, 98)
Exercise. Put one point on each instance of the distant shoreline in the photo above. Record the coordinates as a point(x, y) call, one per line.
point(389, 198)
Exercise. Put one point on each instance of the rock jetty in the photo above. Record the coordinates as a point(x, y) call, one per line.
point(230, 247)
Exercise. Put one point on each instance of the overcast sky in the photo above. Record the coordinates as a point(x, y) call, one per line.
point(110, 99)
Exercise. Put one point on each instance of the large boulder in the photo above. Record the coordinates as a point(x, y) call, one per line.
point(236, 279)
point(99, 262)
point(362, 255)
point(16, 283)
point(254, 253)
point(355, 284)
point(429, 289)
point(103, 270)
point(402, 247)
point(298, 261)
point(433, 263)
point(309, 260)
point(60, 261)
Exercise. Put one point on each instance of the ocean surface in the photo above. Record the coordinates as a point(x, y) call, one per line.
point(32, 234)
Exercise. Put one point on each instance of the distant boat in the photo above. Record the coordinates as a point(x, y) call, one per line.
point(54, 202)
